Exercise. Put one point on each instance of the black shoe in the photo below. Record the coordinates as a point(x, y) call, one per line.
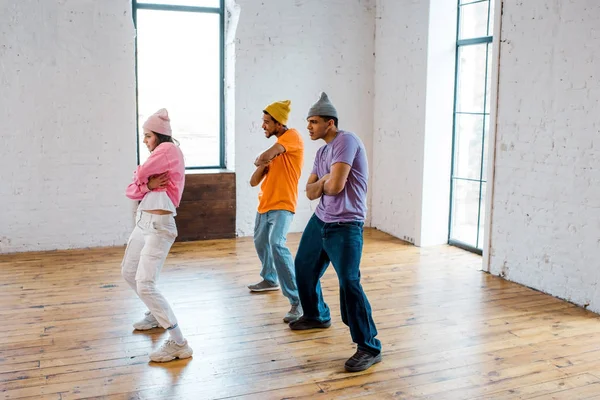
point(361, 360)
point(302, 324)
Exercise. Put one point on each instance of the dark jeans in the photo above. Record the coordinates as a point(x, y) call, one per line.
point(341, 244)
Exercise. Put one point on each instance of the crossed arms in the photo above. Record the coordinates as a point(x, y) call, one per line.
point(329, 184)
point(263, 161)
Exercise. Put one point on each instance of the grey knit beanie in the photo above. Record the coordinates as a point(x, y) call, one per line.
point(323, 108)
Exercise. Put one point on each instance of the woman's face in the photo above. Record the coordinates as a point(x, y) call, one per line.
point(150, 140)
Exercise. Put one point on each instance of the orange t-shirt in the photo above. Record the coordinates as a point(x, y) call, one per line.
point(279, 189)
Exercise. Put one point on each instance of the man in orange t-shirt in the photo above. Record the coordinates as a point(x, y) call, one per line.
point(279, 169)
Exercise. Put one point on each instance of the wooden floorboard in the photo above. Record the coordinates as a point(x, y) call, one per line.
point(449, 331)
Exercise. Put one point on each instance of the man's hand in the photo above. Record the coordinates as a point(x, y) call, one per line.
point(269, 155)
point(335, 183)
point(259, 174)
point(314, 186)
point(260, 160)
point(264, 164)
point(158, 181)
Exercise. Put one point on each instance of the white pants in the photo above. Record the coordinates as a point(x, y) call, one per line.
point(145, 256)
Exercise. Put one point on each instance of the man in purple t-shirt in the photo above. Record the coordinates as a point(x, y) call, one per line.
point(335, 234)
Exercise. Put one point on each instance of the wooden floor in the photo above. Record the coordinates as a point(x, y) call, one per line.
point(449, 331)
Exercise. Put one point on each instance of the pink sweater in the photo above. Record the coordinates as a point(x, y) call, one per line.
point(166, 157)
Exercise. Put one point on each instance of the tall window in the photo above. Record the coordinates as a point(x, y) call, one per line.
point(179, 53)
point(471, 123)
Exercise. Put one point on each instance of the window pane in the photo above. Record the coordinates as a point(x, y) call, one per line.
point(196, 3)
point(467, 147)
point(473, 20)
point(491, 21)
point(179, 69)
point(486, 145)
point(465, 205)
point(471, 78)
point(488, 83)
point(481, 217)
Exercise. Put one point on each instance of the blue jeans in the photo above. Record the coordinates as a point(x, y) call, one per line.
point(341, 244)
point(270, 236)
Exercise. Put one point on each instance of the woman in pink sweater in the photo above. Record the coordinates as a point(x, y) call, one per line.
point(158, 183)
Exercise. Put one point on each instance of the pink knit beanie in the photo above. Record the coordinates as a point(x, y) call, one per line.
point(159, 122)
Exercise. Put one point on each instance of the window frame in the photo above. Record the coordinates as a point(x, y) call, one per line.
point(460, 43)
point(205, 10)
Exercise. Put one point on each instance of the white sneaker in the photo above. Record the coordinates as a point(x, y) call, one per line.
point(149, 322)
point(170, 350)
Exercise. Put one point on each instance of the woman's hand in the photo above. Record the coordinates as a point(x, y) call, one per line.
point(158, 181)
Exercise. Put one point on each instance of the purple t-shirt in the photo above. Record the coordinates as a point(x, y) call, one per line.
point(351, 203)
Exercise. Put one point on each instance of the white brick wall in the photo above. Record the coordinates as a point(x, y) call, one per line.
point(69, 106)
point(546, 205)
point(400, 89)
point(293, 50)
point(327, 48)
point(68, 130)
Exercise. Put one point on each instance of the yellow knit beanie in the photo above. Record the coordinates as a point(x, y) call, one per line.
point(280, 111)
